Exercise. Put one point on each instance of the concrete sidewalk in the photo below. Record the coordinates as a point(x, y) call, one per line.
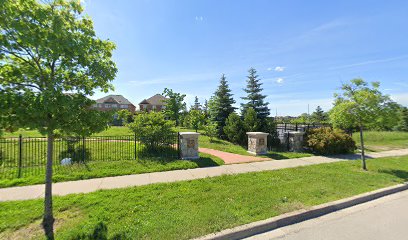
point(86, 186)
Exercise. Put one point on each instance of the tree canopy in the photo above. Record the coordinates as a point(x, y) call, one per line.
point(174, 105)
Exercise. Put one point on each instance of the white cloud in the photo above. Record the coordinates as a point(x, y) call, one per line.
point(199, 18)
point(401, 98)
point(279, 80)
point(269, 69)
point(279, 69)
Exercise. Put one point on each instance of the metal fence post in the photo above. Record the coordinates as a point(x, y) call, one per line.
point(20, 154)
point(178, 145)
point(135, 148)
point(83, 149)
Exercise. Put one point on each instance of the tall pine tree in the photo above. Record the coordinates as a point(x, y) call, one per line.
point(222, 105)
point(197, 104)
point(254, 98)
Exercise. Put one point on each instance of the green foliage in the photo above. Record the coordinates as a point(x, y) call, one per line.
point(125, 116)
point(47, 50)
point(197, 104)
point(360, 105)
point(251, 121)
point(174, 105)
point(234, 129)
point(221, 105)
point(254, 98)
point(152, 129)
point(403, 123)
point(329, 141)
point(319, 116)
point(211, 130)
point(196, 119)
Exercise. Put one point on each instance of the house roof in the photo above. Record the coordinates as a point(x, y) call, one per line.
point(117, 98)
point(157, 99)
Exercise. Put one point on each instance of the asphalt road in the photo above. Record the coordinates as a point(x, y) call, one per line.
point(384, 218)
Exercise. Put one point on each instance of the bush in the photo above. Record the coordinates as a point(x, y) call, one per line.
point(329, 141)
point(234, 129)
point(269, 126)
point(153, 129)
point(251, 121)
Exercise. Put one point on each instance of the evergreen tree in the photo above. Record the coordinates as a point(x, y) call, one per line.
point(251, 121)
point(197, 104)
point(234, 129)
point(254, 98)
point(222, 104)
point(403, 124)
point(319, 115)
point(205, 108)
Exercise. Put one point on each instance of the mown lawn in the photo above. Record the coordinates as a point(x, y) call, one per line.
point(190, 209)
point(382, 141)
point(98, 169)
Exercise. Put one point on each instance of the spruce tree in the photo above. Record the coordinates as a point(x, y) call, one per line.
point(403, 124)
point(319, 115)
point(222, 105)
point(254, 98)
point(197, 104)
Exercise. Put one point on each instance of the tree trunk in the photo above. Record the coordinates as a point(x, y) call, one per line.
point(362, 148)
point(48, 219)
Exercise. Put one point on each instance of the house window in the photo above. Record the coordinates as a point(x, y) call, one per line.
point(99, 105)
point(108, 105)
point(95, 105)
point(114, 105)
point(123, 106)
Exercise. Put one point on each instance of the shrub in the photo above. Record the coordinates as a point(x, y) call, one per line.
point(251, 121)
point(234, 129)
point(329, 141)
point(269, 126)
point(153, 129)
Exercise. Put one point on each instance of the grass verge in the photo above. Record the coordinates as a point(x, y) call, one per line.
point(382, 141)
point(190, 209)
point(98, 169)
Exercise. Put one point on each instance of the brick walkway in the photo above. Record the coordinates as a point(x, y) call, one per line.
point(231, 158)
point(91, 185)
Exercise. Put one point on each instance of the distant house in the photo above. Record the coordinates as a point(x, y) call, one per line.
point(156, 103)
point(114, 102)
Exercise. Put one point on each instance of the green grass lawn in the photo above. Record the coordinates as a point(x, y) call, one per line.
point(98, 169)
point(382, 141)
point(111, 131)
point(190, 209)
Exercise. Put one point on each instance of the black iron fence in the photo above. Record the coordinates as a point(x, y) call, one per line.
point(26, 156)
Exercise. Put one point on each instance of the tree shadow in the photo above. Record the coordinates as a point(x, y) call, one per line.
point(401, 174)
point(100, 232)
point(350, 156)
point(275, 156)
point(204, 162)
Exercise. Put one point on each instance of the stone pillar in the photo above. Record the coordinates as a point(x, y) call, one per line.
point(257, 143)
point(295, 141)
point(189, 145)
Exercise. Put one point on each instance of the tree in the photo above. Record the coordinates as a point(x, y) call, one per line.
point(221, 105)
point(403, 123)
point(174, 105)
point(152, 129)
point(210, 130)
point(197, 104)
point(196, 119)
point(46, 50)
point(254, 98)
point(359, 105)
point(251, 121)
point(234, 129)
point(319, 116)
point(205, 108)
point(125, 116)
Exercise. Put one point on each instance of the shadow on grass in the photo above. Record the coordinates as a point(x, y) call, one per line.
point(205, 162)
point(275, 156)
point(397, 173)
point(349, 156)
point(100, 232)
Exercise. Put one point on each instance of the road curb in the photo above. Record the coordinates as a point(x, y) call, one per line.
point(262, 226)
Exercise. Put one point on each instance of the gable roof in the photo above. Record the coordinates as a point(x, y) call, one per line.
point(157, 99)
point(117, 98)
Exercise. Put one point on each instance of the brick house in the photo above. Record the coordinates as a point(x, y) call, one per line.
point(155, 103)
point(114, 102)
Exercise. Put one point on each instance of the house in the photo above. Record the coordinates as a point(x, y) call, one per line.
point(156, 103)
point(114, 102)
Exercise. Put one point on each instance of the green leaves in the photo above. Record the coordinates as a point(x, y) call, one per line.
point(46, 50)
point(174, 105)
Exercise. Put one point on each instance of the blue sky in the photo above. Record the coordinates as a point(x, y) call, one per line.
point(303, 50)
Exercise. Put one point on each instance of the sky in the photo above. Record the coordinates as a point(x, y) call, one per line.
point(303, 50)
